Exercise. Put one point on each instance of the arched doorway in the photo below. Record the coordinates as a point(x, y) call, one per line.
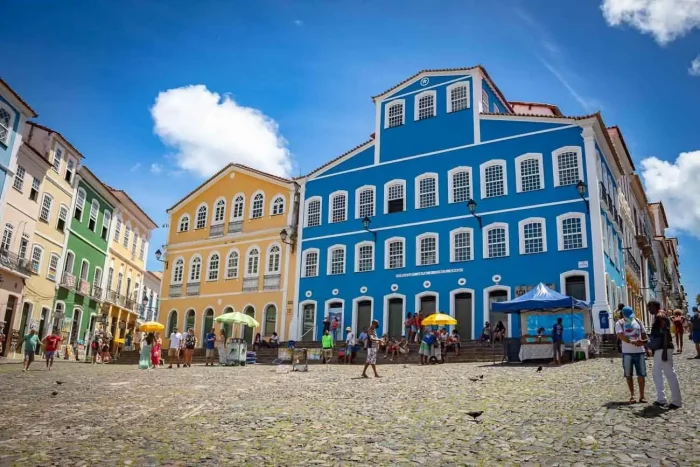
point(463, 312)
point(308, 318)
point(227, 326)
point(172, 323)
point(42, 322)
point(270, 324)
point(364, 315)
point(496, 296)
point(208, 324)
point(335, 312)
point(248, 331)
point(576, 287)
point(189, 320)
point(396, 317)
point(75, 326)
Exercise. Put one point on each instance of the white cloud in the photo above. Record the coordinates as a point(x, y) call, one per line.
point(298, 22)
point(676, 185)
point(665, 20)
point(135, 167)
point(209, 131)
point(694, 69)
point(156, 168)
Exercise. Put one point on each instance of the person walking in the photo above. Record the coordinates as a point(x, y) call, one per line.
point(221, 347)
point(633, 337)
point(174, 350)
point(678, 328)
point(31, 341)
point(137, 341)
point(51, 346)
point(661, 344)
point(210, 344)
point(190, 344)
point(557, 337)
point(327, 346)
point(349, 344)
point(695, 330)
point(371, 345)
point(155, 350)
point(145, 353)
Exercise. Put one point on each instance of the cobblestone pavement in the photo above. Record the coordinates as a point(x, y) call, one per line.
point(258, 415)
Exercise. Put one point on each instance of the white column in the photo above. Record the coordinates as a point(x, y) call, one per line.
point(600, 298)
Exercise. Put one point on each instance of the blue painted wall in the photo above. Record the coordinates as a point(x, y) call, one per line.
point(494, 102)
point(6, 150)
point(495, 129)
point(418, 86)
point(364, 158)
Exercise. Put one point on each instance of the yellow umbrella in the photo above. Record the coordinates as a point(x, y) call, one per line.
point(151, 326)
point(439, 319)
point(238, 318)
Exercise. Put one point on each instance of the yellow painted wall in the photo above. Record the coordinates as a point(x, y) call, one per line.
point(257, 233)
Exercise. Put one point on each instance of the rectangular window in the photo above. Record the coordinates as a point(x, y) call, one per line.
point(428, 251)
point(396, 255)
point(530, 175)
point(462, 246)
point(497, 242)
point(338, 208)
point(532, 234)
point(79, 205)
point(395, 113)
point(313, 214)
point(427, 188)
point(57, 154)
point(232, 266)
point(460, 187)
point(494, 181)
point(311, 265)
point(142, 250)
point(36, 258)
point(70, 167)
point(395, 201)
point(484, 101)
point(460, 98)
point(572, 233)
point(62, 217)
point(34, 192)
point(23, 246)
point(45, 208)
point(53, 267)
point(6, 238)
point(19, 178)
point(366, 203)
point(426, 107)
point(568, 168)
point(338, 261)
point(117, 229)
point(365, 258)
point(94, 209)
point(127, 233)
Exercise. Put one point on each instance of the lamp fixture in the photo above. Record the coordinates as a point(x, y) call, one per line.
point(289, 239)
point(365, 225)
point(581, 187)
point(159, 254)
point(471, 205)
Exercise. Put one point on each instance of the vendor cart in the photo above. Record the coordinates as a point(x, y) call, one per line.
point(237, 352)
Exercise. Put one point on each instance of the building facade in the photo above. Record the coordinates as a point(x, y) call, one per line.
point(150, 300)
point(225, 253)
point(449, 205)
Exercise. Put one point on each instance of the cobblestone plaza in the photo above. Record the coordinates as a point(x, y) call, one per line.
point(258, 415)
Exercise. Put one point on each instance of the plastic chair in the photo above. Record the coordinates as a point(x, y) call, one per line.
point(582, 346)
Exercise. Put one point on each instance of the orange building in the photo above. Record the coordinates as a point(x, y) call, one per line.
point(225, 252)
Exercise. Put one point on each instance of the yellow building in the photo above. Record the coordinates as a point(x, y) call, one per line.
point(125, 264)
point(225, 253)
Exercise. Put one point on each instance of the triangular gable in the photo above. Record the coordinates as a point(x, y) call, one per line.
point(340, 159)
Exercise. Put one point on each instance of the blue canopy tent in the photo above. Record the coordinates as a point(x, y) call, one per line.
point(542, 298)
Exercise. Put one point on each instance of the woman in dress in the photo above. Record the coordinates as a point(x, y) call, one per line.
point(679, 328)
point(221, 346)
point(145, 355)
point(155, 351)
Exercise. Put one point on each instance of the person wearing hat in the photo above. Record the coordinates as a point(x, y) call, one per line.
point(633, 338)
point(349, 344)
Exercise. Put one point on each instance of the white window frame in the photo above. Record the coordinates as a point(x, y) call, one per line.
point(305, 255)
point(55, 269)
point(69, 161)
point(419, 251)
point(268, 255)
point(388, 185)
point(179, 223)
point(560, 232)
point(387, 259)
point(82, 205)
point(127, 234)
point(247, 257)
point(449, 95)
point(484, 103)
point(555, 163)
point(450, 183)
point(190, 280)
point(172, 275)
point(210, 270)
point(237, 268)
point(420, 178)
point(518, 170)
point(11, 123)
point(206, 216)
point(223, 216)
point(331, 198)
point(320, 211)
point(106, 222)
point(357, 255)
point(94, 211)
point(233, 207)
point(252, 203)
point(18, 181)
point(46, 219)
point(357, 200)
point(521, 234)
point(485, 239)
point(482, 173)
point(329, 259)
point(273, 202)
point(453, 234)
point(53, 160)
point(417, 99)
point(390, 104)
point(41, 257)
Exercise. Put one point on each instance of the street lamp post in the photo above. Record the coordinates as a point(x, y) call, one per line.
point(471, 205)
point(158, 256)
point(581, 188)
point(289, 239)
point(365, 225)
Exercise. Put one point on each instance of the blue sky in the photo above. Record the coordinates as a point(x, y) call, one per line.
point(300, 76)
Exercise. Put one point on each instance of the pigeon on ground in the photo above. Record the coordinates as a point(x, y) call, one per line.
point(54, 394)
point(475, 415)
point(481, 377)
point(539, 369)
point(611, 361)
point(60, 382)
point(474, 380)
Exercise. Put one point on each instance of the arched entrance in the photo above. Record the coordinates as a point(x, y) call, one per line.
point(172, 323)
point(270, 324)
point(248, 331)
point(75, 326)
point(463, 306)
point(308, 319)
point(189, 321)
point(208, 324)
point(227, 326)
point(396, 317)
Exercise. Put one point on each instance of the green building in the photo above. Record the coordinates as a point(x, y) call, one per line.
point(80, 292)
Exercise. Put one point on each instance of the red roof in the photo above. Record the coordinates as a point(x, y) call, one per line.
point(17, 96)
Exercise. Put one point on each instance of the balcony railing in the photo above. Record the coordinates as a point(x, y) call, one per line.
point(216, 230)
point(633, 264)
point(68, 280)
point(235, 227)
point(193, 288)
point(271, 282)
point(96, 292)
point(83, 287)
point(250, 284)
point(175, 290)
point(15, 262)
point(114, 297)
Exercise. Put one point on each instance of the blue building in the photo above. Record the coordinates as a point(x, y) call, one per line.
point(14, 113)
point(459, 199)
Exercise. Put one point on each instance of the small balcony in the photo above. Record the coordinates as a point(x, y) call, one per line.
point(130, 304)
point(250, 284)
point(175, 290)
point(114, 297)
point(68, 280)
point(235, 227)
point(15, 263)
point(193, 288)
point(271, 282)
point(96, 293)
point(83, 288)
point(631, 261)
point(216, 230)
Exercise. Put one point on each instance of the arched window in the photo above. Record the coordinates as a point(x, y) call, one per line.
point(424, 105)
point(135, 242)
point(571, 232)
point(257, 206)
point(190, 320)
point(496, 244)
point(79, 205)
point(427, 249)
point(426, 191)
point(460, 184)
point(313, 211)
point(253, 263)
point(195, 269)
point(364, 256)
point(84, 270)
point(339, 207)
point(528, 172)
point(232, 265)
point(457, 97)
point(461, 245)
point(273, 260)
point(63, 217)
point(201, 221)
point(172, 323)
point(106, 222)
point(127, 234)
point(394, 251)
point(532, 235)
point(184, 224)
point(58, 315)
point(178, 271)
point(219, 209)
point(394, 114)
point(336, 260)
point(7, 237)
point(394, 196)
point(568, 166)
point(118, 228)
point(238, 206)
point(94, 211)
point(364, 202)
point(310, 263)
point(493, 179)
point(213, 268)
point(46, 204)
point(37, 253)
point(277, 206)
point(270, 323)
point(6, 123)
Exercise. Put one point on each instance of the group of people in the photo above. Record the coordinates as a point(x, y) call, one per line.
point(149, 351)
point(491, 334)
point(33, 345)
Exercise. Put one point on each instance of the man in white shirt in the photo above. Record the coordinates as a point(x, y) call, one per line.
point(174, 350)
point(350, 346)
point(633, 337)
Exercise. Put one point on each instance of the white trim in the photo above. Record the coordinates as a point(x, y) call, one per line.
point(574, 272)
point(11, 127)
point(213, 216)
point(264, 319)
point(304, 255)
point(482, 173)
point(184, 320)
point(579, 159)
point(355, 303)
point(331, 198)
point(245, 264)
point(185, 274)
point(419, 252)
point(389, 241)
point(448, 92)
point(416, 187)
point(442, 151)
point(329, 255)
point(301, 318)
point(416, 100)
point(453, 293)
point(326, 311)
point(560, 233)
point(218, 269)
point(461, 75)
point(320, 211)
point(196, 215)
point(487, 310)
point(82, 207)
point(233, 207)
point(391, 104)
point(427, 293)
point(252, 201)
point(385, 318)
point(521, 234)
point(41, 258)
point(389, 184)
point(518, 170)
point(80, 272)
point(238, 267)
point(272, 204)
point(453, 233)
point(357, 199)
point(445, 219)
point(357, 255)
point(485, 239)
point(450, 183)
point(267, 258)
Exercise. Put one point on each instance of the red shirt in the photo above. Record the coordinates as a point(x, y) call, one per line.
point(52, 343)
point(419, 321)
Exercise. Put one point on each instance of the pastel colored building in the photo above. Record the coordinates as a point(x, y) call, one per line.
point(150, 300)
point(460, 199)
point(225, 253)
